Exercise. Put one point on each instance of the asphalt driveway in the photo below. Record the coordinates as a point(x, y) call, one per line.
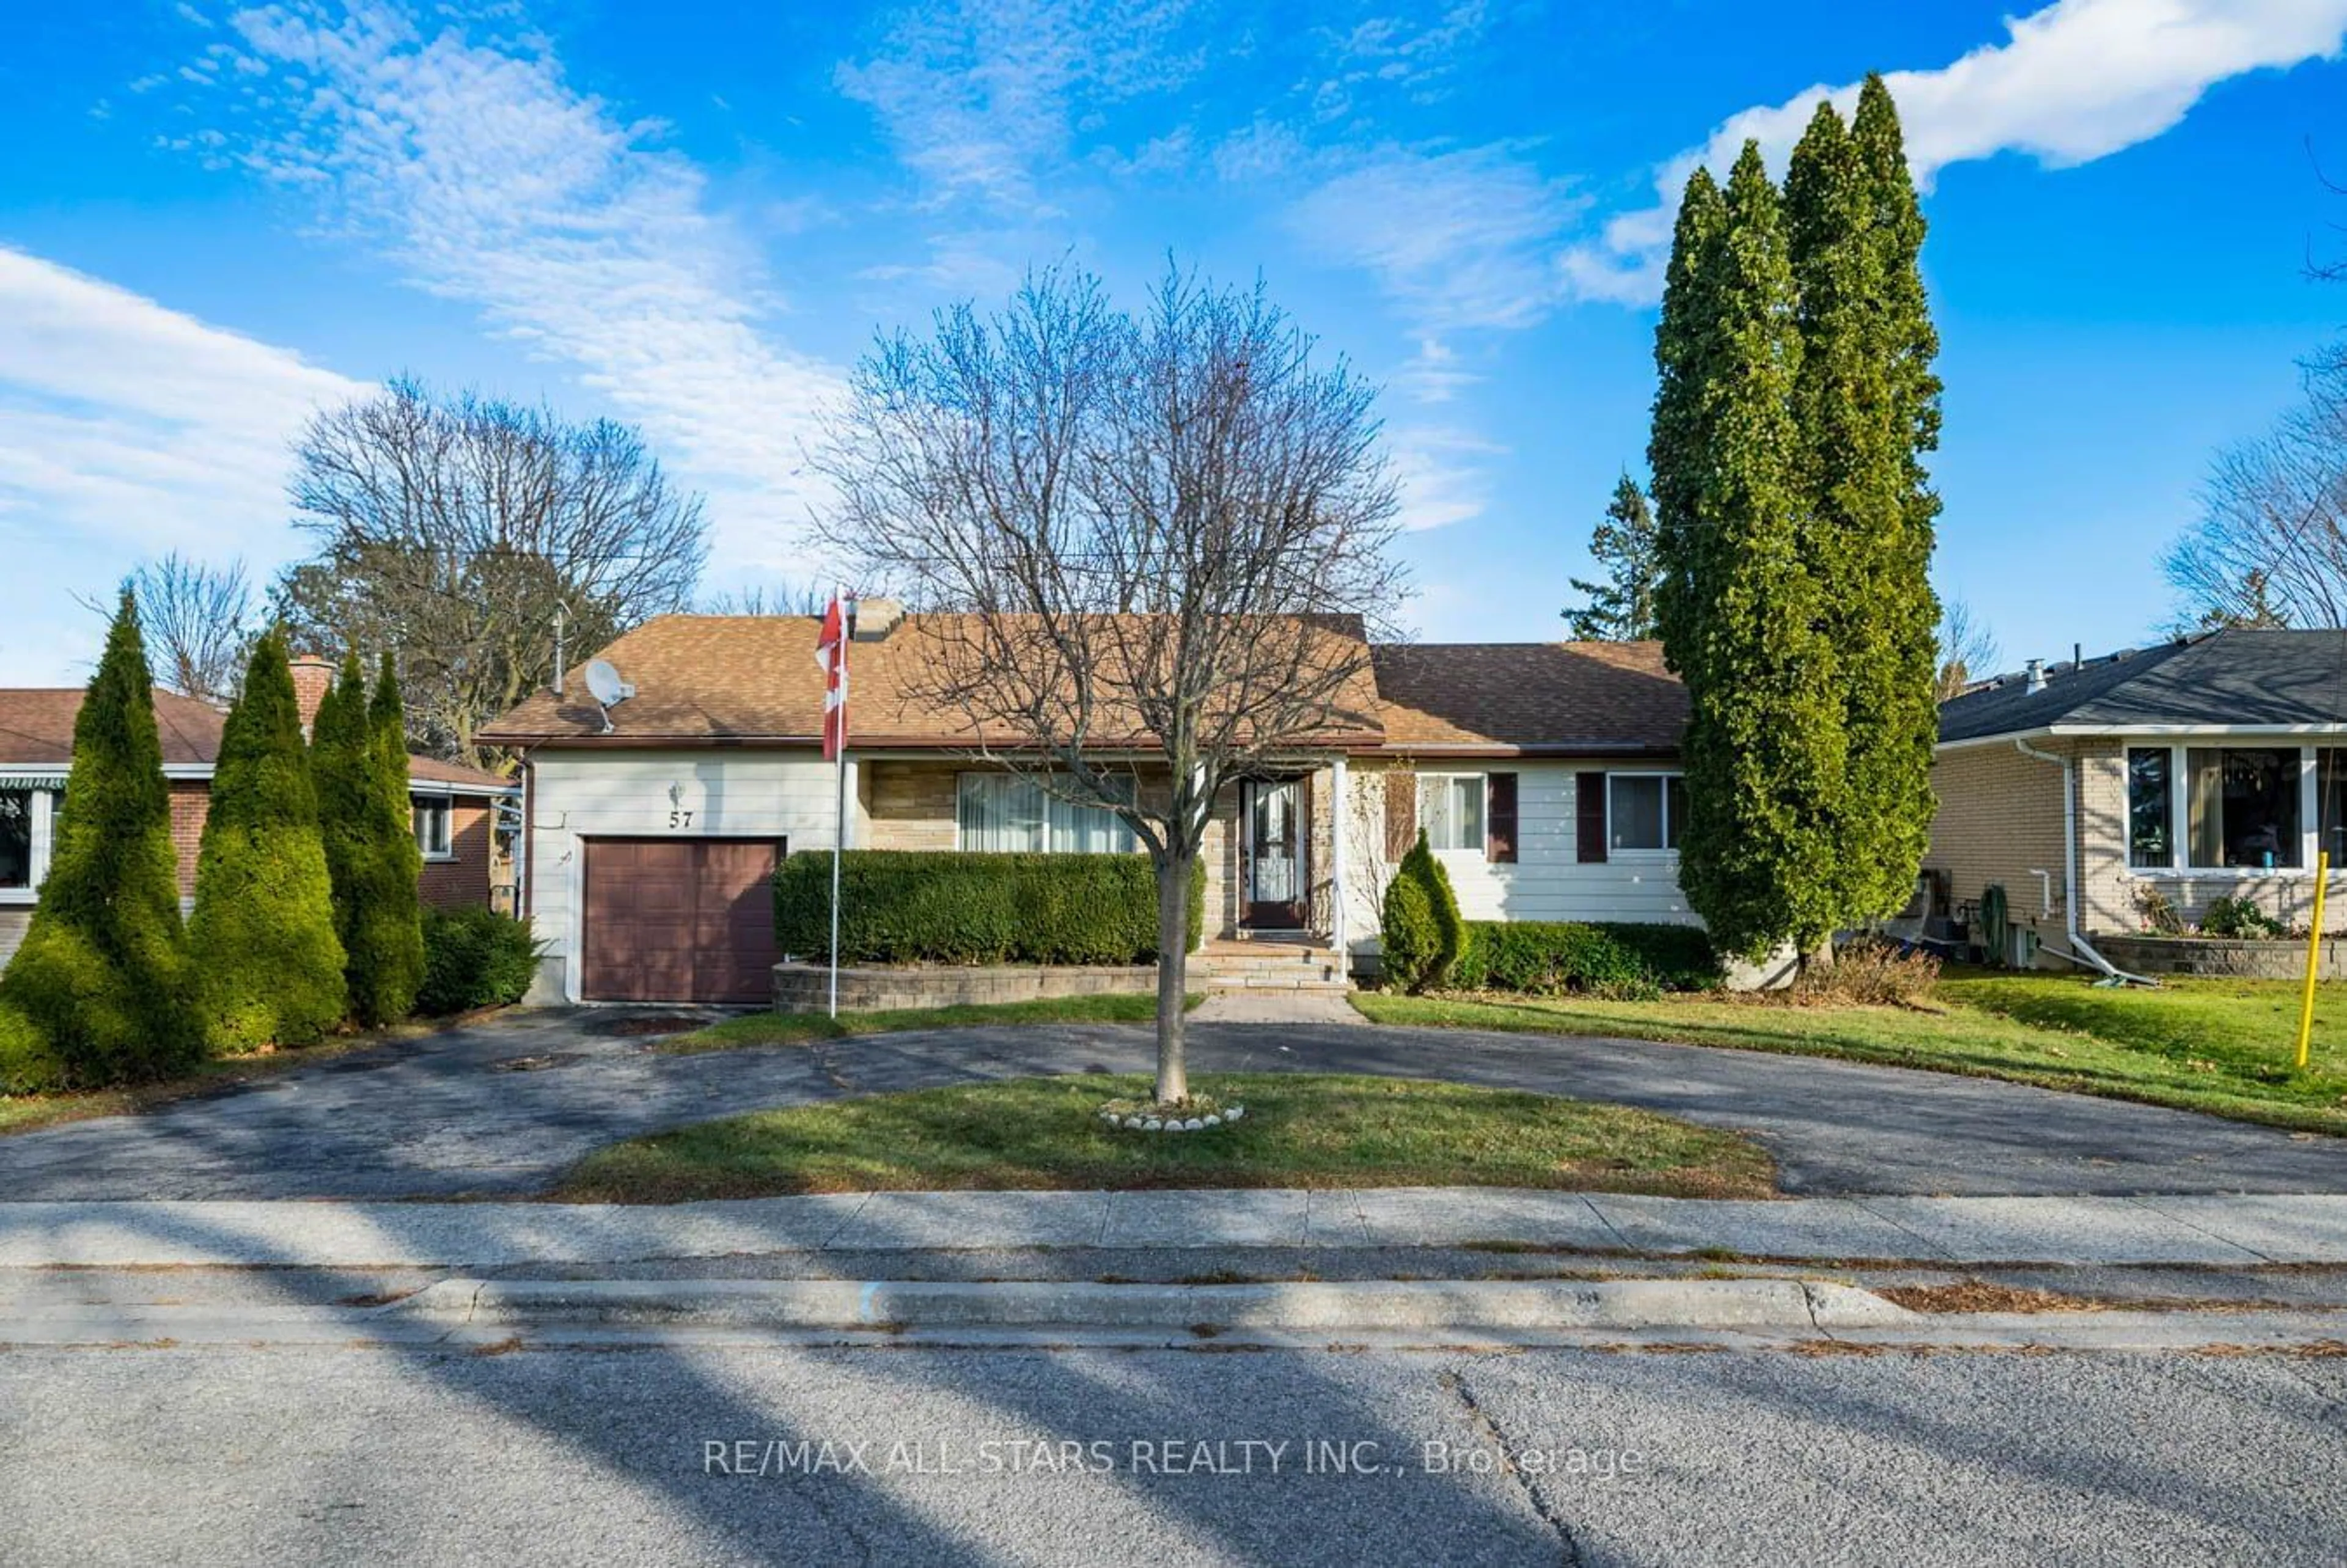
point(505, 1106)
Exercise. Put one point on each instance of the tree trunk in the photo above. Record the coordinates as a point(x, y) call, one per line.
point(1820, 960)
point(1172, 975)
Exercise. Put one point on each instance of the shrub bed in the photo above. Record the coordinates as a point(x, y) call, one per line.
point(474, 958)
point(1550, 957)
point(940, 907)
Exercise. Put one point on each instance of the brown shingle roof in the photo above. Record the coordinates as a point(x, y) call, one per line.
point(740, 678)
point(1557, 697)
point(36, 726)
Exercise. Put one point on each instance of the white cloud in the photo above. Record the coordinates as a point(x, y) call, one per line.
point(492, 181)
point(1442, 474)
point(2074, 82)
point(1399, 53)
point(128, 429)
point(1457, 239)
point(983, 98)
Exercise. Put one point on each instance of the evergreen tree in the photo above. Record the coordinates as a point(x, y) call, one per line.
point(370, 854)
point(270, 965)
point(1868, 405)
point(101, 990)
point(396, 943)
point(1678, 449)
point(1622, 608)
point(1743, 618)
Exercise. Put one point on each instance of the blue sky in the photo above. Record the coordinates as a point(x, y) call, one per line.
point(693, 216)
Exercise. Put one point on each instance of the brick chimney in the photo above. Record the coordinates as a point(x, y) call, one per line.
point(314, 677)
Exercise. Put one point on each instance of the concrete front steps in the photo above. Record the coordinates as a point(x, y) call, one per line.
point(1268, 965)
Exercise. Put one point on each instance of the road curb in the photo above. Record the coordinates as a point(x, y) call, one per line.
point(1409, 1304)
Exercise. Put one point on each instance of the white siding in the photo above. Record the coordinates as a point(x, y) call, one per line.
point(582, 794)
point(1547, 881)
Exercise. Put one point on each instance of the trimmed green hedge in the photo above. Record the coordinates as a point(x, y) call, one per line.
point(474, 958)
point(1549, 957)
point(938, 907)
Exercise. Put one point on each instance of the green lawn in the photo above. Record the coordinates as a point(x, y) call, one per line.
point(2219, 1046)
point(1301, 1131)
point(799, 1028)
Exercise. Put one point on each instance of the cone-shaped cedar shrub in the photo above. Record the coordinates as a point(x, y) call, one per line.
point(369, 853)
point(101, 990)
point(1425, 916)
point(396, 934)
point(269, 968)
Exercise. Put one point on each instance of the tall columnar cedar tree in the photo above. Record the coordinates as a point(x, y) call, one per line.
point(101, 989)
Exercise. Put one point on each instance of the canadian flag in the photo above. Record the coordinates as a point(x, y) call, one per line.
point(831, 658)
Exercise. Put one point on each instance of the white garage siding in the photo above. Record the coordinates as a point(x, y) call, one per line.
point(1548, 880)
point(580, 794)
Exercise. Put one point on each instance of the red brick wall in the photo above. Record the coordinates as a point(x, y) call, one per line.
point(446, 883)
point(465, 880)
point(191, 800)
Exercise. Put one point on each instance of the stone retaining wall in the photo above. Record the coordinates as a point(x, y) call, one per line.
point(2268, 960)
point(806, 988)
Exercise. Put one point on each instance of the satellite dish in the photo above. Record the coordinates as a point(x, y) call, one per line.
point(603, 684)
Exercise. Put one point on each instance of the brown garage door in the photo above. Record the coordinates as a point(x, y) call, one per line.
point(679, 919)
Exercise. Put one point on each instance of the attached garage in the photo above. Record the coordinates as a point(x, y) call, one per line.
point(679, 919)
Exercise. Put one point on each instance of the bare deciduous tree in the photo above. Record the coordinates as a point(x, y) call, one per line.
point(1163, 534)
point(1968, 648)
point(197, 620)
point(2270, 547)
point(453, 532)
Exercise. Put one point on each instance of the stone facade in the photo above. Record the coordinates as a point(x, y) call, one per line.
point(806, 988)
point(2277, 960)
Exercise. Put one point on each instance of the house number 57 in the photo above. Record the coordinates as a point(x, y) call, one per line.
point(680, 819)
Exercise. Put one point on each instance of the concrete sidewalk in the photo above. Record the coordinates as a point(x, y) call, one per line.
point(2244, 1231)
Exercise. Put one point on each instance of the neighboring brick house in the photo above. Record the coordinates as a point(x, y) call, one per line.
point(2207, 767)
point(1545, 774)
point(453, 806)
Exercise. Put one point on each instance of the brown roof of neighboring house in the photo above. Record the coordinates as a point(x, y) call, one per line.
point(720, 679)
point(36, 726)
point(1555, 697)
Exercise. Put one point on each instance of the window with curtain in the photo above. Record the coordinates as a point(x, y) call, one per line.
point(1005, 813)
point(1450, 809)
point(17, 839)
point(2151, 810)
point(432, 827)
point(1644, 810)
point(2242, 806)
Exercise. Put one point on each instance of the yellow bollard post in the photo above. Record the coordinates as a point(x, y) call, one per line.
point(2313, 958)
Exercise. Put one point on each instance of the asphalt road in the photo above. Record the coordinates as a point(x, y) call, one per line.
point(506, 1106)
point(333, 1456)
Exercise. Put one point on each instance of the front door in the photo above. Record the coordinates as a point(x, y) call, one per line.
point(1273, 814)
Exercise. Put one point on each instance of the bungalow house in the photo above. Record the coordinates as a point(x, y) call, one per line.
point(453, 806)
point(2097, 792)
point(1544, 774)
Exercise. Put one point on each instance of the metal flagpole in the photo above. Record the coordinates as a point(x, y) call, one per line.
point(839, 715)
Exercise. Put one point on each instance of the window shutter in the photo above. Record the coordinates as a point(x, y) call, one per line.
point(1401, 812)
point(1499, 817)
point(1589, 815)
